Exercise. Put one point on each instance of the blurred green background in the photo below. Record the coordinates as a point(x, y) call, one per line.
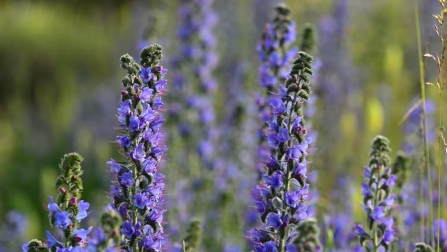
point(60, 82)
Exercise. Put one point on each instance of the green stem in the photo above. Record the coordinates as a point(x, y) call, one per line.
point(374, 227)
point(426, 155)
point(134, 209)
point(283, 231)
point(441, 86)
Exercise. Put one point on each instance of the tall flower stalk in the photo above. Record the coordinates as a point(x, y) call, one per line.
point(275, 55)
point(195, 64)
point(273, 49)
point(67, 211)
point(378, 199)
point(137, 192)
point(280, 196)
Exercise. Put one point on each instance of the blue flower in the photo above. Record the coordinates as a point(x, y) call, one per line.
point(158, 103)
point(139, 153)
point(134, 124)
point(146, 74)
point(82, 213)
point(274, 220)
point(127, 180)
point(278, 108)
point(274, 139)
point(140, 200)
point(150, 166)
point(127, 229)
point(388, 237)
point(294, 153)
point(270, 246)
point(359, 231)
point(115, 168)
point(146, 94)
point(159, 85)
point(275, 180)
point(378, 214)
point(123, 141)
point(52, 206)
point(62, 220)
point(261, 207)
point(366, 191)
point(52, 242)
point(123, 111)
point(81, 234)
point(292, 199)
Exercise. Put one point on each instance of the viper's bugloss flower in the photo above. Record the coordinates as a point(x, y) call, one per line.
point(195, 64)
point(273, 49)
point(62, 220)
point(280, 196)
point(138, 190)
point(275, 63)
point(378, 199)
point(275, 56)
point(67, 211)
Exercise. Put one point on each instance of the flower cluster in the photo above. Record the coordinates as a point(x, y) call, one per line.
point(195, 64)
point(280, 196)
point(275, 55)
point(138, 190)
point(67, 212)
point(203, 18)
point(273, 49)
point(378, 199)
point(276, 58)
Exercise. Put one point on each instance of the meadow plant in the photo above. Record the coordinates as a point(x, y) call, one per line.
point(275, 56)
point(138, 188)
point(67, 211)
point(195, 64)
point(378, 199)
point(280, 196)
point(210, 185)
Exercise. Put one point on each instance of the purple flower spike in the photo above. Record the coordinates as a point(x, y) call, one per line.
point(284, 187)
point(377, 198)
point(138, 187)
